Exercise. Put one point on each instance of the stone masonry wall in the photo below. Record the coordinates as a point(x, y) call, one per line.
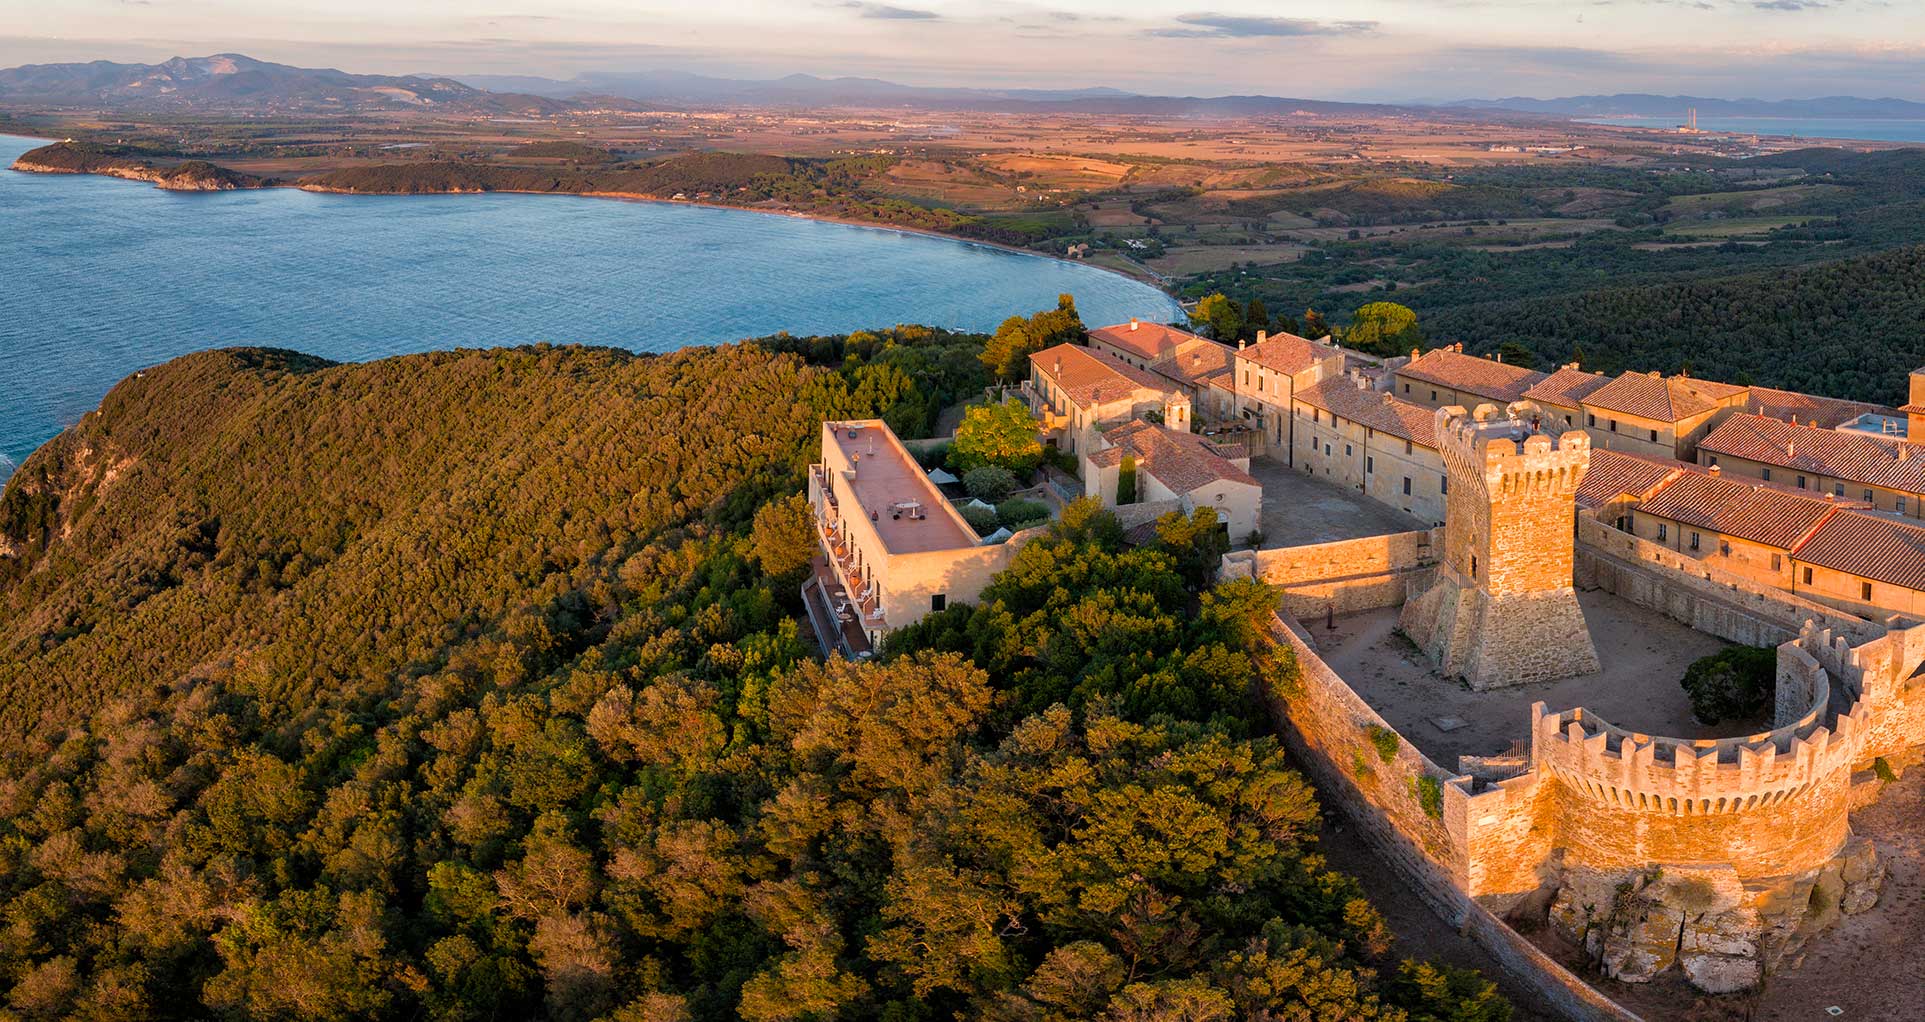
point(1346, 576)
point(1443, 851)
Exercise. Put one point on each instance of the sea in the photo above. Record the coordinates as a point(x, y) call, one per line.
point(101, 277)
point(1866, 129)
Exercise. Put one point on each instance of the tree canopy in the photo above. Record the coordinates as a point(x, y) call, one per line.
point(1003, 434)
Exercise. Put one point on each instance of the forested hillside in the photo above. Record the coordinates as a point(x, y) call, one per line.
point(1848, 329)
point(469, 686)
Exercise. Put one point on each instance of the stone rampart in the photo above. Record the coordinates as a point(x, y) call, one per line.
point(1446, 834)
point(1346, 576)
point(1710, 600)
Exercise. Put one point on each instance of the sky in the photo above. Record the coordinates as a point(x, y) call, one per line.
point(1386, 50)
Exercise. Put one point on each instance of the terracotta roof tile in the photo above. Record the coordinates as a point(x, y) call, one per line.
point(1181, 461)
point(1086, 374)
point(1288, 353)
point(1149, 341)
point(1487, 378)
point(1823, 411)
point(1565, 387)
point(1762, 514)
point(1615, 473)
point(1196, 361)
point(1374, 409)
point(1870, 546)
point(1665, 399)
point(1819, 451)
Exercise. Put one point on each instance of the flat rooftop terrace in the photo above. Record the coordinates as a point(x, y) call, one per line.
point(886, 479)
point(1300, 509)
point(1644, 654)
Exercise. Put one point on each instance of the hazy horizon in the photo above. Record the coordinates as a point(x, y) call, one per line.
point(1369, 50)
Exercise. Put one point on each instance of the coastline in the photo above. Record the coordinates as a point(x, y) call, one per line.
point(1145, 278)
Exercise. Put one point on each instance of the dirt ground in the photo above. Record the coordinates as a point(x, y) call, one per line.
point(1871, 965)
point(1299, 509)
point(1645, 654)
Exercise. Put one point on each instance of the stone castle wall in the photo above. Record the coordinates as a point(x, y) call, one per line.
point(1343, 577)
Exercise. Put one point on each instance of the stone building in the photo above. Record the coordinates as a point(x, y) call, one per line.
point(1886, 474)
point(1443, 377)
point(1269, 376)
point(1076, 391)
point(1171, 466)
point(1645, 413)
point(1503, 610)
point(1744, 527)
point(1372, 442)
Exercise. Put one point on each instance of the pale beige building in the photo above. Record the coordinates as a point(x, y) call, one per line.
point(1375, 443)
point(1644, 413)
point(1443, 377)
point(1170, 465)
point(1268, 376)
point(893, 548)
point(1745, 527)
point(1887, 474)
point(1076, 391)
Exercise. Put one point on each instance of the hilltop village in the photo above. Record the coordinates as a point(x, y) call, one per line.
point(1492, 579)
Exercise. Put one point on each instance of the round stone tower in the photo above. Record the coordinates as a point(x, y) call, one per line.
point(1503, 611)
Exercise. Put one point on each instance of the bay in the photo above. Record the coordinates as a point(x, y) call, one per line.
point(100, 277)
point(1866, 129)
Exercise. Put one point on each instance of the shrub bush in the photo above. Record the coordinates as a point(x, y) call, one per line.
point(1385, 740)
point(982, 519)
point(989, 483)
point(1732, 684)
point(1021, 513)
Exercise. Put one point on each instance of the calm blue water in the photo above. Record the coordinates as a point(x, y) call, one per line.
point(100, 277)
point(1862, 128)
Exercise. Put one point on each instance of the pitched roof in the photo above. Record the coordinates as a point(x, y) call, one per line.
point(1614, 473)
point(1823, 411)
point(1760, 513)
point(1197, 360)
point(1374, 409)
point(1663, 398)
point(1870, 546)
point(1150, 341)
point(1287, 353)
point(1819, 451)
point(1565, 387)
point(1485, 377)
point(1181, 461)
point(1084, 375)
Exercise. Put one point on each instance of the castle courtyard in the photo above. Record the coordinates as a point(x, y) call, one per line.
point(1644, 655)
point(1299, 509)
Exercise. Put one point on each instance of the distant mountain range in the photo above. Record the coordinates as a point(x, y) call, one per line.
point(1633, 104)
point(230, 82)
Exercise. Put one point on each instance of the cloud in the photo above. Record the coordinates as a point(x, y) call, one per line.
point(889, 12)
point(1238, 26)
point(1791, 5)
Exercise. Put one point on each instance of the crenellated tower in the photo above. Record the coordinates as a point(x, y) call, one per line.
point(1503, 610)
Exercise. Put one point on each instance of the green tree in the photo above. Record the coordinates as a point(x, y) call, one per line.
point(1383, 328)
point(1220, 314)
point(783, 536)
point(1732, 684)
point(1004, 435)
point(1516, 354)
point(1007, 352)
point(1126, 480)
point(989, 483)
point(1314, 326)
point(1256, 316)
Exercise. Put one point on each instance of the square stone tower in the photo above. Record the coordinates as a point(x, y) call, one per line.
point(1503, 610)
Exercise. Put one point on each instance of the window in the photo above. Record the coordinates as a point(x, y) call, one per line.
point(1777, 562)
point(1590, 420)
point(1767, 475)
point(1868, 496)
point(1664, 532)
point(1838, 490)
point(1694, 541)
point(1406, 388)
point(1370, 464)
point(1724, 548)
point(1624, 524)
point(938, 602)
point(1801, 482)
point(1443, 483)
point(1654, 436)
point(1567, 420)
point(1433, 395)
point(1614, 425)
point(1406, 486)
point(1865, 591)
point(1346, 450)
point(1714, 461)
point(1473, 565)
point(1326, 448)
point(1807, 576)
point(1901, 504)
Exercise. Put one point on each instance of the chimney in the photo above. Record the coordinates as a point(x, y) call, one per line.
point(1132, 324)
point(1059, 366)
point(1413, 354)
point(1790, 448)
point(1499, 357)
point(1715, 470)
point(1239, 344)
point(1262, 335)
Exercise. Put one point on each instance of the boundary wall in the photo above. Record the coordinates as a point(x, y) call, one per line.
point(1345, 576)
point(1420, 817)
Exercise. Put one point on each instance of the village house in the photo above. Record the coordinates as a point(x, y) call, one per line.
point(1561, 395)
point(1076, 391)
point(1138, 343)
point(1268, 376)
point(1886, 474)
point(1616, 481)
point(1164, 465)
point(1645, 413)
point(1868, 564)
point(1742, 526)
point(1372, 442)
point(1446, 376)
point(892, 546)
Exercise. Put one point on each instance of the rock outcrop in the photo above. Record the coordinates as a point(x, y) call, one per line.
point(80, 158)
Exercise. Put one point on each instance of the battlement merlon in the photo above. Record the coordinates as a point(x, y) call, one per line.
point(1509, 451)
